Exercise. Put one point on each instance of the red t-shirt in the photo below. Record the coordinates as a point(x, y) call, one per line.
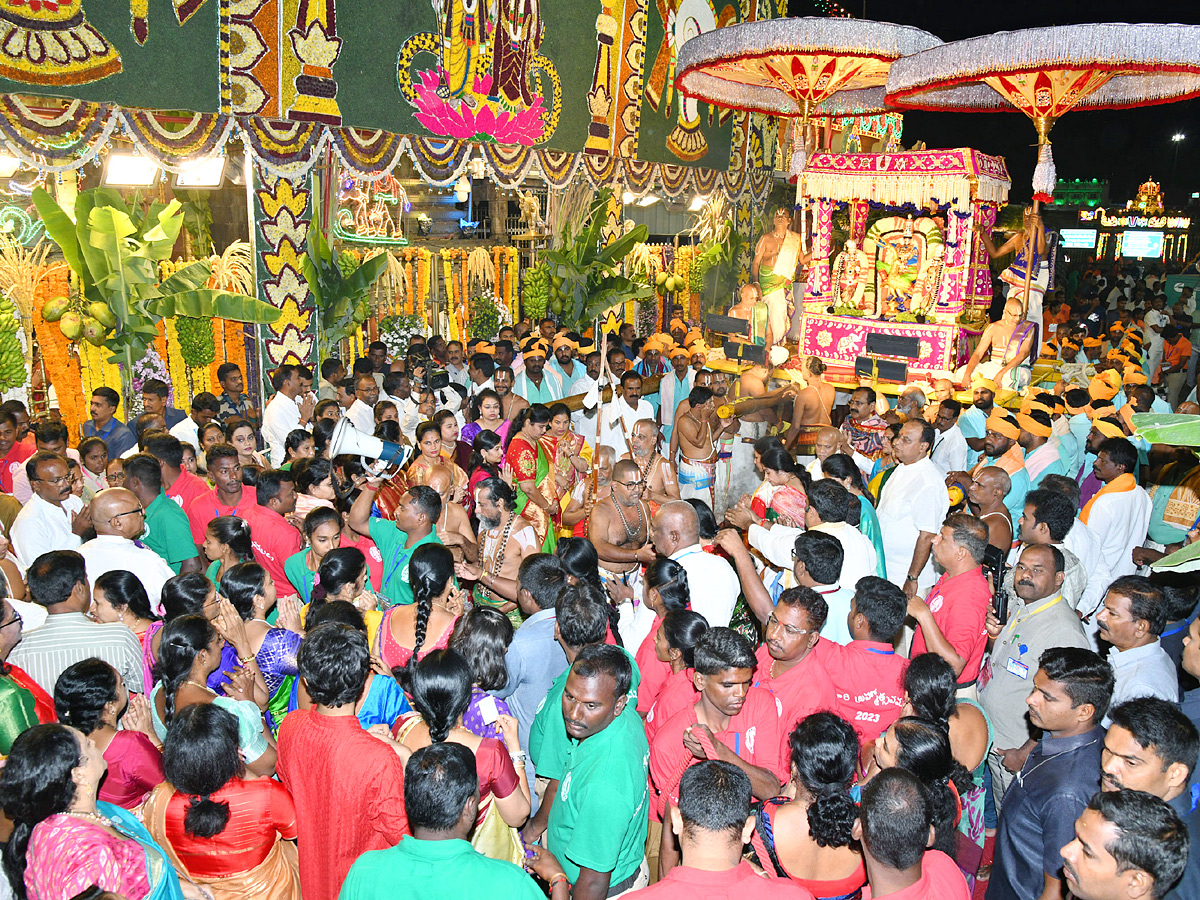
point(260, 813)
point(205, 508)
point(738, 883)
point(374, 558)
point(15, 459)
point(677, 694)
point(274, 540)
point(941, 879)
point(348, 789)
point(187, 487)
point(959, 604)
point(654, 671)
point(868, 678)
point(802, 690)
point(753, 734)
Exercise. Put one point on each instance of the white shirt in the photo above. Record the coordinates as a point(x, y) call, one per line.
point(362, 417)
point(859, 557)
point(950, 450)
point(837, 622)
point(41, 527)
point(1142, 672)
point(1120, 522)
point(584, 419)
point(1154, 317)
point(458, 375)
point(914, 500)
point(21, 487)
point(815, 472)
point(615, 412)
point(1082, 541)
point(188, 432)
point(110, 552)
point(280, 418)
point(712, 583)
point(473, 389)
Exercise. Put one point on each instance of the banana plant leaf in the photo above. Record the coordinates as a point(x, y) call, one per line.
point(365, 275)
point(1168, 428)
point(61, 230)
point(206, 303)
point(188, 278)
point(1186, 559)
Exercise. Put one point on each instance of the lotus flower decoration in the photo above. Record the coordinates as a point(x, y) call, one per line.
point(485, 121)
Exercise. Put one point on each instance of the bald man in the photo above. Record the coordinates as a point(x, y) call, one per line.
point(119, 519)
point(829, 442)
point(712, 581)
point(943, 389)
point(454, 525)
point(661, 485)
point(986, 494)
point(579, 508)
point(619, 529)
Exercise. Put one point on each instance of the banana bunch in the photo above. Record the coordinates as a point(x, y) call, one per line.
point(12, 357)
point(347, 263)
point(696, 275)
point(536, 293)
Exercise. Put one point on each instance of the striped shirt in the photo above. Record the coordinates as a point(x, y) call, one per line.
point(67, 638)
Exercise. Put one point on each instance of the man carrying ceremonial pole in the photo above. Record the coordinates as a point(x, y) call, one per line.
point(776, 259)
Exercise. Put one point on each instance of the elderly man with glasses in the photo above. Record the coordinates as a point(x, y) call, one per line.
point(119, 519)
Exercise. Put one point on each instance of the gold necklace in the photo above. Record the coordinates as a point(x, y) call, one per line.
point(90, 817)
point(199, 685)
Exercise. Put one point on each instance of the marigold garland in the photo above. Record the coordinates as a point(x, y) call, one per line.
point(448, 275)
point(62, 369)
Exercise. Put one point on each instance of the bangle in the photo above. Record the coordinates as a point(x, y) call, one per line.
point(368, 487)
point(557, 877)
point(245, 661)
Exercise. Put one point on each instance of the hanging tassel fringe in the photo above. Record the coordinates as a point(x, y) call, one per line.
point(799, 160)
point(1044, 176)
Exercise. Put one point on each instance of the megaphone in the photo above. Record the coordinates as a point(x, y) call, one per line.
point(377, 454)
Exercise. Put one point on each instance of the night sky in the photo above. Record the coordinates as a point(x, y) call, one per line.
point(1126, 147)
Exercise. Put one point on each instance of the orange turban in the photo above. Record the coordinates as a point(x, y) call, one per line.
point(1003, 423)
point(1110, 428)
point(1105, 385)
point(1032, 422)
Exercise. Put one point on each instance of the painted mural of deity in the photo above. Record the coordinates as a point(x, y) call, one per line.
point(489, 81)
point(516, 37)
point(682, 19)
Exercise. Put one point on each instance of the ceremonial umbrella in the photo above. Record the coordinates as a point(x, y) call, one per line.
point(1045, 72)
point(798, 68)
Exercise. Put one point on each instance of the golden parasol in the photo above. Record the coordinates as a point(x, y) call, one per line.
point(797, 68)
point(1045, 72)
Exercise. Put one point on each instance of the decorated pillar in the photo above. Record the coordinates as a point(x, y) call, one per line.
point(600, 98)
point(958, 250)
point(819, 280)
point(858, 219)
point(316, 44)
point(979, 275)
point(282, 211)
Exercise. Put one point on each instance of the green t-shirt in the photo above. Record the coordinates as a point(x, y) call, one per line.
point(299, 575)
point(548, 741)
point(168, 533)
point(211, 572)
point(600, 814)
point(435, 870)
point(391, 540)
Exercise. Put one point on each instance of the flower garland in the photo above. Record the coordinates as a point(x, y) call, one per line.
point(512, 272)
point(424, 275)
point(175, 364)
point(412, 285)
point(448, 276)
point(62, 369)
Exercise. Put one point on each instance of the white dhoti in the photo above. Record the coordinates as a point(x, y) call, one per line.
point(735, 475)
point(696, 479)
point(1037, 289)
point(1017, 379)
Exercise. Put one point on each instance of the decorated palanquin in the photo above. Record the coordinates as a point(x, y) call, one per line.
point(919, 272)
